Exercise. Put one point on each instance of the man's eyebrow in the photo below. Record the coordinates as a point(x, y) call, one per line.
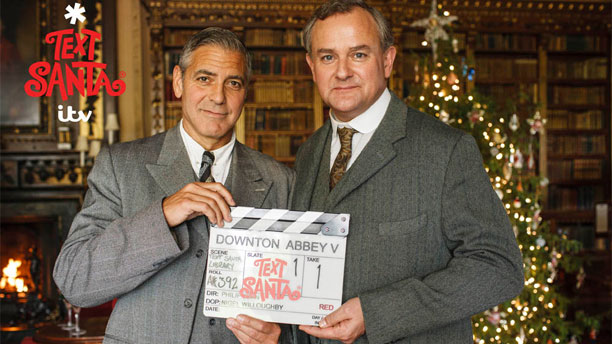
point(360, 47)
point(329, 51)
point(207, 72)
point(238, 77)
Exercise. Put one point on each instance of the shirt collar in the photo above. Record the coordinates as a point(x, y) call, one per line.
point(369, 120)
point(195, 151)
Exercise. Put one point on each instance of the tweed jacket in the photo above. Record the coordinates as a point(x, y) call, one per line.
point(430, 243)
point(120, 246)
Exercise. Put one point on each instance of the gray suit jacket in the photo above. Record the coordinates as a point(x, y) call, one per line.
point(430, 243)
point(120, 246)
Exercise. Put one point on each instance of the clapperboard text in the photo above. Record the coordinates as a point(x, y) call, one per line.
point(295, 245)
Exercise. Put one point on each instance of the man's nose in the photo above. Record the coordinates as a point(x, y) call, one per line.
point(218, 94)
point(343, 71)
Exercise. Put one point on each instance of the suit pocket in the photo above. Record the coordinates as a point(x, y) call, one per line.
point(403, 227)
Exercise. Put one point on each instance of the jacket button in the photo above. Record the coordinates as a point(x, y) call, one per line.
point(212, 322)
point(199, 253)
point(188, 303)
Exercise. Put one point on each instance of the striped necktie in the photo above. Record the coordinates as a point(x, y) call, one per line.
point(207, 160)
point(343, 157)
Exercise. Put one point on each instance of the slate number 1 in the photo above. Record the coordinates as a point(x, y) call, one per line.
point(318, 274)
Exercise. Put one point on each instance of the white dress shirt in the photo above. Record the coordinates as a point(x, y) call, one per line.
point(223, 156)
point(365, 124)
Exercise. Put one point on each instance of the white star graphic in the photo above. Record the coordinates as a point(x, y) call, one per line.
point(75, 13)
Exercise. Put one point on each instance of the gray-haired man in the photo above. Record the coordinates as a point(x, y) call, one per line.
point(142, 236)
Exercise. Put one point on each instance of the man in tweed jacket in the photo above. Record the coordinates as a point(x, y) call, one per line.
point(430, 242)
point(142, 235)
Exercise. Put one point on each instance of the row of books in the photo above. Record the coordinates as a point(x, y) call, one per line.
point(592, 68)
point(277, 119)
point(500, 68)
point(177, 37)
point(567, 144)
point(564, 119)
point(172, 116)
point(572, 95)
point(281, 92)
point(504, 41)
point(171, 59)
point(578, 43)
point(273, 37)
point(580, 198)
point(281, 146)
point(502, 94)
point(291, 63)
point(578, 169)
point(414, 40)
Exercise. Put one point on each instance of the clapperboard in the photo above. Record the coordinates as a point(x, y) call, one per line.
point(276, 265)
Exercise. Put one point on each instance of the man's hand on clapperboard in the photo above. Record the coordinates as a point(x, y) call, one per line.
point(195, 199)
point(250, 330)
point(345, 324)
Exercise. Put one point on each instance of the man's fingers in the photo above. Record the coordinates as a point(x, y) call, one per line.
point(221, 195)
point(251, 330)
point(334, 317)
point(224, 192)
point(324, 333)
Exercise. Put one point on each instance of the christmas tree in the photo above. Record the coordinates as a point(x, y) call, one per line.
point(509, 147)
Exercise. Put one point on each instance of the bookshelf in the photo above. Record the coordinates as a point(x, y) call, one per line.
point(282, 108)
point(578, 135)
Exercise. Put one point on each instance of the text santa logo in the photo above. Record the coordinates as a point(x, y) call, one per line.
point(67, 77)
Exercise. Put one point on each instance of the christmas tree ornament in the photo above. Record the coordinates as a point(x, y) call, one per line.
point(455, 43)
point(519, 186)
point(515, 230)
point(544, 182)
point(507, 170)
point(452, 78)
point(573, 340)
point(518, 159)
point(494, 151)
point(516, 203)
point(444, 116)
point(540, 242)
point(493, 316)
point(580, 278)
point(434, 27)
point(514, 122)
point(536, 123)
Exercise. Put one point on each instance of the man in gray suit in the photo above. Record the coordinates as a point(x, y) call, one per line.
point(430, 242)
point(142, 235)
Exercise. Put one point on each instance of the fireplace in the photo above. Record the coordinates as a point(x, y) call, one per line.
point(29, 246)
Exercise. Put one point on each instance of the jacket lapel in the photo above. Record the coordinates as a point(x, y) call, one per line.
point(173, 169)
point(307, 174)
point(172, 172)
point(376, 154)
point(244, 180)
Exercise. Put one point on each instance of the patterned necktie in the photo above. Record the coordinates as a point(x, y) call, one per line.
point(207, 160)
point(343, 157)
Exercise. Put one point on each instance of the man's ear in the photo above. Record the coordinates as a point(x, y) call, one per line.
point(311, 65)
point(177, 82)
point(389, 57)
